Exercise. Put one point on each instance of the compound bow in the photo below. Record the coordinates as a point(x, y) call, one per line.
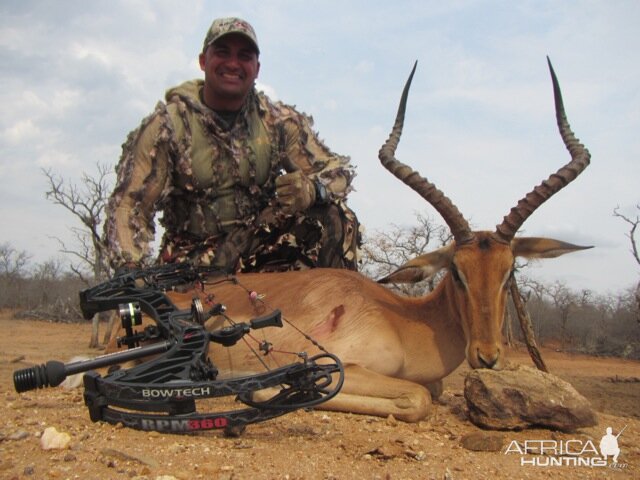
point(160, 394)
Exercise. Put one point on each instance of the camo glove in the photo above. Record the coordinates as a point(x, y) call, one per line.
point(126, 268)
point(295, 192)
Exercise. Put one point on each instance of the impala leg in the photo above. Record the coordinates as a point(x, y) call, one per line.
point(369, 393)
point(435, 389)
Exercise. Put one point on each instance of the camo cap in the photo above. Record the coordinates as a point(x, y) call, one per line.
point(224, 26)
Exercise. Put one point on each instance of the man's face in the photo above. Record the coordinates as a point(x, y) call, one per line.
point(230, 69)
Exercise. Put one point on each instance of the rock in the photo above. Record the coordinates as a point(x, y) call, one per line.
point(520, 396)
point(419, 456)
point(234, 431)
point(69, 457)
point(482, 442)
point(19, 435)
point(386, 451)
point(53, 439)
point(300, 430)
point(176, 448)
point(128, 457)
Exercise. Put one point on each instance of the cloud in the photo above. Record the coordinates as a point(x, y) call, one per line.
point(267, 89)
point(21, 131)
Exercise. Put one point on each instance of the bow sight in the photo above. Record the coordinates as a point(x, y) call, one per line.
point(161, 393)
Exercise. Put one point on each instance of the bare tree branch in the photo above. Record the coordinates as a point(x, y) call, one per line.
point(633, 222)
point(564, 300)
point(384, 252)
point(12, 261)
point(520, 306)
point(87, 203)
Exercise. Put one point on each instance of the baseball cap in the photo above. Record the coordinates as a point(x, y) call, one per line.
point(224, 26)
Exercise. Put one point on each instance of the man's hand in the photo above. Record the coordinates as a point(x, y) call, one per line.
point(295, 192)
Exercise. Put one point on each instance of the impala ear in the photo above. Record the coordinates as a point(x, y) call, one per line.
point(422, 267)
point(538, 247)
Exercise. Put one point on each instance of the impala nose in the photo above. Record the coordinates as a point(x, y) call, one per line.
point(488, 360)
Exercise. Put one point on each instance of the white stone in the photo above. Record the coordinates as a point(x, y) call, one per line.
point(52, 439)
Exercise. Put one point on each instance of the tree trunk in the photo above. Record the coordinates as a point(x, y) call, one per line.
point(95, 326)
point(101, 317)
point(508, 330)
point(111, 322)
point(638, 303)
point(527, 329)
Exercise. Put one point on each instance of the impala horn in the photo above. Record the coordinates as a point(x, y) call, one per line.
point(427, 190)
point(579, 161)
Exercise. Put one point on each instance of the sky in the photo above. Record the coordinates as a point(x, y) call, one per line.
point(77, 76)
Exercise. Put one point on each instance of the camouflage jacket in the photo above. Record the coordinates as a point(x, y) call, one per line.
point(208, 177)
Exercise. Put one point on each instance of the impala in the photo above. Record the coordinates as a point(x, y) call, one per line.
point(395, 348)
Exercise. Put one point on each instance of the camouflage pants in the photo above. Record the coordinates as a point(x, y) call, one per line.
point(324, 236)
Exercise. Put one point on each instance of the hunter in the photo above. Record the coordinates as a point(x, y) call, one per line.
point(243, 182)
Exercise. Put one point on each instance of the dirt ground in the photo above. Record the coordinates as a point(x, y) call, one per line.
point(309, 445)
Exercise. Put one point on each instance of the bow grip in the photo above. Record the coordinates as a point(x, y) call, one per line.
point(273, 319)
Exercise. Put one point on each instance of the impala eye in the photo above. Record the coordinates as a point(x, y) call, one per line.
point(456, 275)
